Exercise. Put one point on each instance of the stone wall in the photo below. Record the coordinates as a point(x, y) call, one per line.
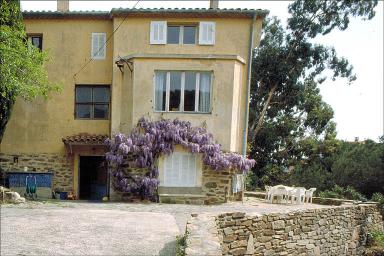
point(338, 230)
point(58, 164)
point(217, 187)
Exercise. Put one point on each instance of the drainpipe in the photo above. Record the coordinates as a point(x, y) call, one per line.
point(245, 131)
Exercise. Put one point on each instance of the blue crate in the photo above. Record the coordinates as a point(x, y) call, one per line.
point(17, 179)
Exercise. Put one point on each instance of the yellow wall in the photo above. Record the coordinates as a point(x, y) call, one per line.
point(40, 125)
point(226, 121)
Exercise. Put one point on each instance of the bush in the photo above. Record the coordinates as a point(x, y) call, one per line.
point(181, 244)
point(343, 193)
point(378, 197)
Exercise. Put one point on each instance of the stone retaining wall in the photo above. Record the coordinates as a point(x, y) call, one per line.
point(58, 164)
point(338, 230)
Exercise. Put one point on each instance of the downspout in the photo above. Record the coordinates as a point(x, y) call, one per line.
point(245, 131)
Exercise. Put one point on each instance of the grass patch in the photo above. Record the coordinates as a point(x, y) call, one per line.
point(375, 244)
point(181, 244)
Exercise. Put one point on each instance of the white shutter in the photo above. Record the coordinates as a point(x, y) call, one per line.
point(158, 32)
point(207, 33)
point(98, 45)
point(180, 170)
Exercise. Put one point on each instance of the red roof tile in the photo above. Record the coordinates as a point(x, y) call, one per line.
point(85, 138)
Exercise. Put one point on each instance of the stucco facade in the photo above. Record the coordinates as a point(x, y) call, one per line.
point(38, 127)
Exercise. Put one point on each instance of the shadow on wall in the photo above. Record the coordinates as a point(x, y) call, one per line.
point(168, 249)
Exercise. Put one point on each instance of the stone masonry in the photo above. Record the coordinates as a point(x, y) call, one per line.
point(338, 230)
point(58, 164)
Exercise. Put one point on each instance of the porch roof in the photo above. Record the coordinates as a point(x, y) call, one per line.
point(85, 139)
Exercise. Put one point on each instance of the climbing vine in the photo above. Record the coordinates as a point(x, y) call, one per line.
point(149, 140)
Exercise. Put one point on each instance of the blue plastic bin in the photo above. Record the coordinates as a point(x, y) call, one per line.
point(63, 195)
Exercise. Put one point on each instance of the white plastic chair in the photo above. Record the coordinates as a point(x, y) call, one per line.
point(297, 195)
point(309, 194)
point(280, 192)
point(267, 191)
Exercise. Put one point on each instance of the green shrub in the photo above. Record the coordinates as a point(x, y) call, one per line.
point(343, 193)
point(376, 238)
point(329, 194)
point(181, 244)
point(377, 197)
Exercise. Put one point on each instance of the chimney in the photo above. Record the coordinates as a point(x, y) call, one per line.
point(214, 4)
point(63, 5)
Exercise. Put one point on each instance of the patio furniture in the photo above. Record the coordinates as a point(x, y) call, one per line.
point(267, 192)
point(309, 194)
point(297, 195)
point(279, 191)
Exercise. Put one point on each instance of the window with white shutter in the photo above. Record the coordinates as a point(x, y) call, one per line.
point(207, 33)
point(158, 32)
point(180, 170)
point(98, 50)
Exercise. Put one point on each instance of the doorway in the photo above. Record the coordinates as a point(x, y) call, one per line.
point(93, 178)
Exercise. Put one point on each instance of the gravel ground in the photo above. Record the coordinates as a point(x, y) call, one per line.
point(84, 228)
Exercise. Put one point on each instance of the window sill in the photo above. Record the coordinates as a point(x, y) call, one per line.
point(183, 195)
point(94, 119)
point(183, 112)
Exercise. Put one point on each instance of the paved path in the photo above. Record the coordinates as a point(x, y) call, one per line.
point(82, 228)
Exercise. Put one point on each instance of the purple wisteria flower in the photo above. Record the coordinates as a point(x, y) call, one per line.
point(149, 140)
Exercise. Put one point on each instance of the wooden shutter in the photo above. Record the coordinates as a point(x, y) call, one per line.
point(207, 33)
point(158, 32)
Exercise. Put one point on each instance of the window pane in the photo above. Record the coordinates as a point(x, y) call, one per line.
point(160, 91)
point(173, 34)
point(100, 94)
point(175, 90)
point(83, 94)
point(100, 111)
point(83, 111)
point(36, 41)
point(189, 91)
point(189, 36)
point(205, 92)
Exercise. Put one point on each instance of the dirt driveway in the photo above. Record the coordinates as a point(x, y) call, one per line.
point(83, 228)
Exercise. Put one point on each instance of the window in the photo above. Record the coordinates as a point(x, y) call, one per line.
point(181, 34)
point(92, 102)
point(180, 170)
point(163, 33)
point(98, 50)
point(183, 91)
point(36, 40)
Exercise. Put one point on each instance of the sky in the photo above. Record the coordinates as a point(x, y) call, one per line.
point(358, 108)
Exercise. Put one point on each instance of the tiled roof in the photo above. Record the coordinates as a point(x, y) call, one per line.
point(146, 11)
point(85, 139)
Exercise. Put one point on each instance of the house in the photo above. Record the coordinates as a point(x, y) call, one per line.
point(119, 66)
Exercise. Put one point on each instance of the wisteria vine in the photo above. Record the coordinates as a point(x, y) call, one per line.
point(149, 140)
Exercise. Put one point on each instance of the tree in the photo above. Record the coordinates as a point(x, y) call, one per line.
point(360, 165)
point(286, 109)
point(22, 72)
